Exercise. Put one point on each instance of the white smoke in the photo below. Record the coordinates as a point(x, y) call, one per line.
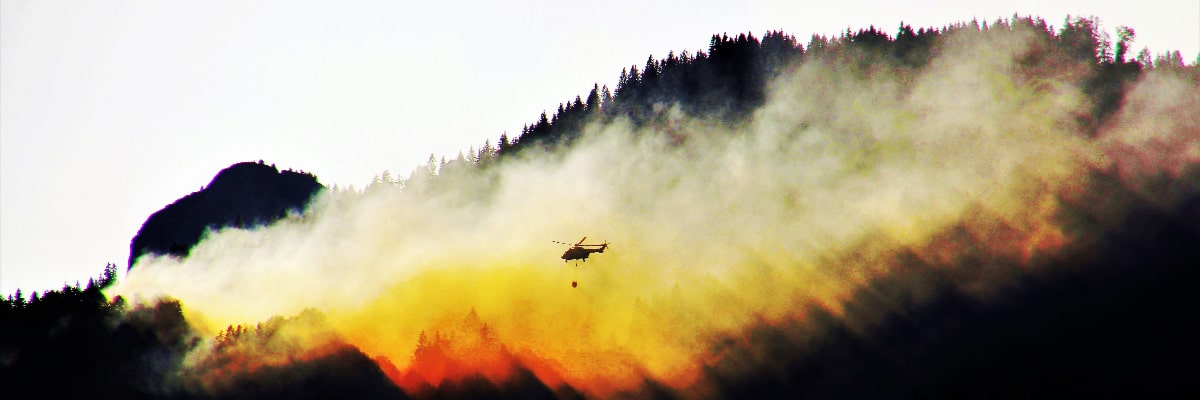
point(730, 226)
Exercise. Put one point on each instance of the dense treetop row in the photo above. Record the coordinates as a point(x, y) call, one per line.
point(729, 80)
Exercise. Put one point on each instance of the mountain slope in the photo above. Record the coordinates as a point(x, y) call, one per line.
point(245, 194)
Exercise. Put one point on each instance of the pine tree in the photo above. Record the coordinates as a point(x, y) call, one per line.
point(592, 105)
point(503, 144)
point(1125, 36)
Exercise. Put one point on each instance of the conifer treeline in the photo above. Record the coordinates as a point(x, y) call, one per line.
point(76, 343)
point(729, 80)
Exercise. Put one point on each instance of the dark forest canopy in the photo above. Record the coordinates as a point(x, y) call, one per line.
point(78, 343)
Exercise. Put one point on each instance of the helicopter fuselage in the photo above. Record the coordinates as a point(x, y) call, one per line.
point(579, 252)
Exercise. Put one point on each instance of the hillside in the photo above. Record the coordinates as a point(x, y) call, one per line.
point(244, 195)
point(995, 210)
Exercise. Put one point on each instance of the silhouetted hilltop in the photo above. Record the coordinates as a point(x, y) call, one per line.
point(245, 194)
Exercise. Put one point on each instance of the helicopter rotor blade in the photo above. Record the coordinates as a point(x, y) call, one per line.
point(581, 241)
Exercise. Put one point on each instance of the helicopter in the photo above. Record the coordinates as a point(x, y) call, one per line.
point(580, 251)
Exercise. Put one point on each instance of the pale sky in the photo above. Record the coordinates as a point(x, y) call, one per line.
point(111, 110)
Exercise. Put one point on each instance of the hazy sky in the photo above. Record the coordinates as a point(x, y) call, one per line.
point(111, 110)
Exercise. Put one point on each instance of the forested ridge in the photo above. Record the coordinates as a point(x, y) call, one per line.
point(77, 342)
point(725, 83)
point(243, 195)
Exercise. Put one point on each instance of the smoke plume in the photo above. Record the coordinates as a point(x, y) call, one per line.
point(714, 229)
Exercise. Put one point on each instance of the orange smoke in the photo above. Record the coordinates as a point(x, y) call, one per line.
point(601, 346)
point(552, 338)
point(240, 351)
